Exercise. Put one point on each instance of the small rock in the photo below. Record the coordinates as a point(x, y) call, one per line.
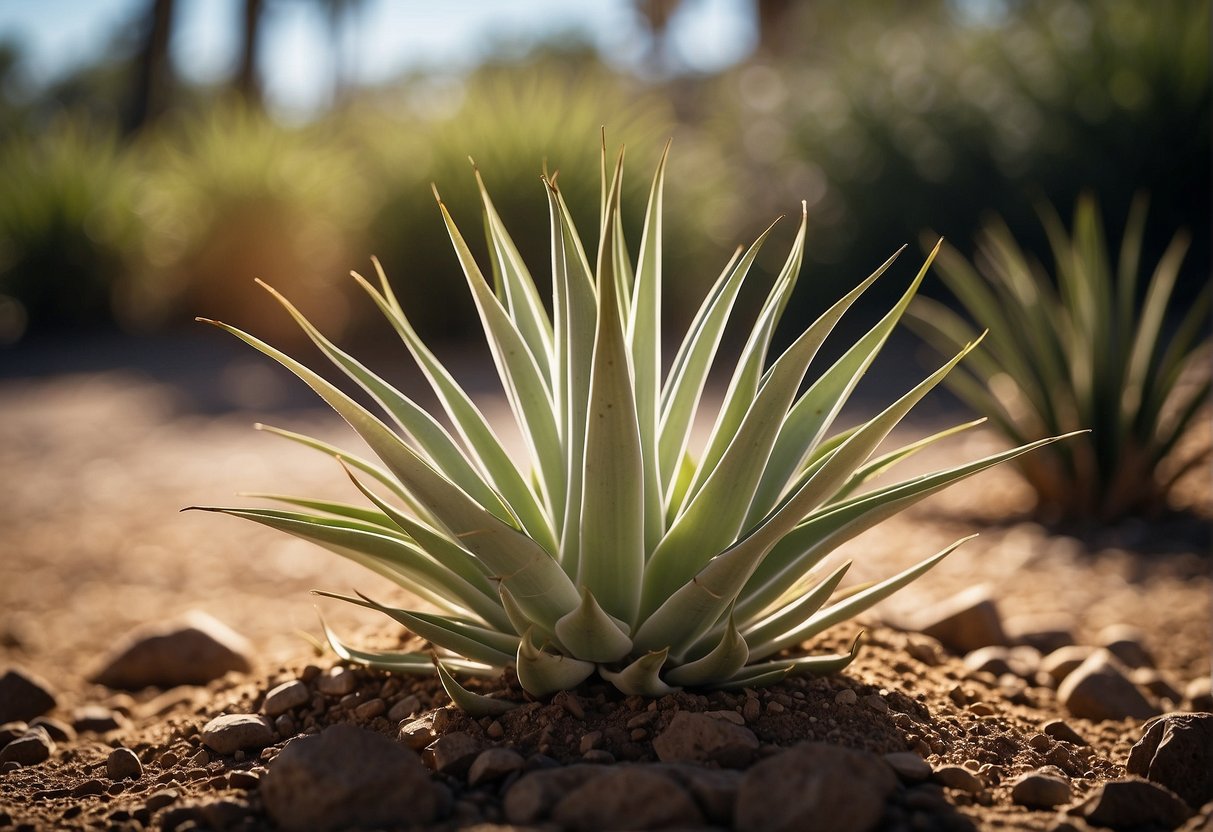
point(714, 789)
point(122, 763)
point(1176, 751)
point(1062, 662)
point(97, 719)
point(1132, 803)
point(965, 622)
point(286, 696)
point(243, 780)
point(452, 753)
point(958, 777)
point(418, 733)
point(1126, 643)
point(1199, 694)
point(57, 729)
point(1154, 681)
point(1040, 791)
point(699, 738)
point(347, 777)
point(533, 795)
point(494, 764)
point(992, 659)
point(925, 649)
point(1099, 689)
point(230, 733)
point(835, 789)
point(1044, 631)
point(192, 650)
point(159, 799)
point(1062, 731)
point(370, 709)
point(89, 788)
point(846, 696)
point(631, 797)
point(908, 766)
point(23, 696)
point(33, 747)
point(405, 708)
point(9, 731)
point(751, 709)
point(337, 682)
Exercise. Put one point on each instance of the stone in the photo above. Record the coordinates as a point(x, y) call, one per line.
point(418, 733)
point(230, 733)
point(910, 767)
point(286, 696)
point(1099, 689)
point(347, 777)
point(1062, 662)
point(1199, 694)
point(9, 731)
point(122, 764)
point(846, 696)
point(1126, 643)
point(405, 708)
point(1133, 803)
point(965, 622)
point(57, 729)
point(700, 738)
point(1044, 631)
point(97, 719)
point(531, 798)
point(159, 799)
point(836, 789)
point(1061, 730)
point(337, 682)
point(452, 753)
point(627, 797)
point(1156, 683)
point(191, 650)
point(992, 659)
point(1040, 791)
point(714, 789)
point(23, 696)
point(1176, 751)
point(494, 764)
point(31, 748)
point(958, 777)
point(370, 709)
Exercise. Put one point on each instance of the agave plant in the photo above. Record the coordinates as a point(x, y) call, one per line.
point(613, 548)
point(1075, 350)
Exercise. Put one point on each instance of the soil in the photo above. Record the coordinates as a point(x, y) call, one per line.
point(95, 466)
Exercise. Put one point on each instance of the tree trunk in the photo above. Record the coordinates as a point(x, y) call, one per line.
point(247, 82)
point(154, 74)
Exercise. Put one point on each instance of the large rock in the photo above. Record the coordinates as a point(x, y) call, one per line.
point(192, 650)
point(347, 778)
point(1101, 689)
point(702, 738)
point(23, 696)
point(627, 797)
point(533, 796)
point(1177, 752)
point(827, 788)
point(1133, 803)
point(965, 622)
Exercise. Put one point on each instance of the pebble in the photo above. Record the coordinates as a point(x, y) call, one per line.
point(910, 767)
point(418, 733)
point(337, 682)
point(924, 649)
point(191, 650)
point(1176, 751)
point(846, 696)
point(958, 777)
point(23, 696)
point(1062, 662)
point(1157, 683)
point(1040, 791)
point(494, 764)
point(89, 788)
point(122, 764)
point(752, 709)
point(347, 777)
point(1099, 689)
point(97, 719)
point(159, 799)
point(452, 753)
point(243, 780)
point(31, 748)
point(1133, 803)
point(405, 708)
point(1126, 643)
point(1044, 631)
point(530, 799)
point(230, 733)
point(1199, 694)
point(370, 709)
point(700, 738)
point(9, 731)
point(286, 696)
point(627, 797)
point(814, 781)
point(965, 622)
point(1062, 731)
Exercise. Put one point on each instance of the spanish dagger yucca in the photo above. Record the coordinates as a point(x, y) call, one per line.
point(614, 549)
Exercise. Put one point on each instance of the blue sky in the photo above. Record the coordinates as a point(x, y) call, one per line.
point(387, 37)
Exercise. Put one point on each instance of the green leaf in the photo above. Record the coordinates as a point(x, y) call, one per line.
point(541, 672)
point(590, 634)
point(642, 677)
point(473, 704)
point(723, 661)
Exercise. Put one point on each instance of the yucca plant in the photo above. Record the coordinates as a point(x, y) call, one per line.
point(1072, 349)
point(613, 549)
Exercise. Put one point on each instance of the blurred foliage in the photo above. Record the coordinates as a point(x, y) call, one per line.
point(231, 196)
point(906, 116)
point(67, 226)
point(1070, 348)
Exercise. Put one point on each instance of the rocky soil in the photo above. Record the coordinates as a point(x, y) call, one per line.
point(158, 670)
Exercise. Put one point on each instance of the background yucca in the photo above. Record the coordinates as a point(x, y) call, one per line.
point(1072, 347)
point(616, 548)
